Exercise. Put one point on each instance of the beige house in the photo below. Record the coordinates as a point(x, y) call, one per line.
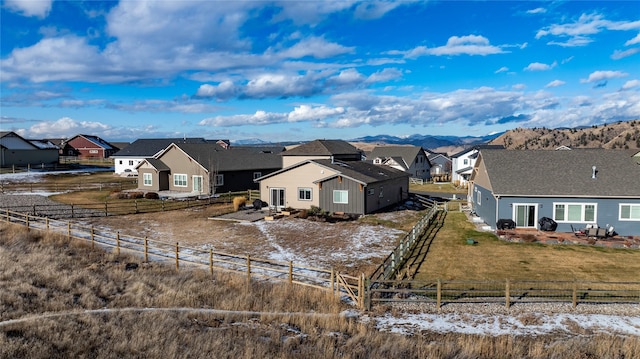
point(353, 187)
point(321, 149)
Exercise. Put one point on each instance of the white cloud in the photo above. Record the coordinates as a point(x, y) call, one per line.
point(635, 40)
point(37, 8)
point(223, 91)
point(502, 69)
point(538, 10)
point(456, 45)
point(578, 32)
point(316, 47)
point(537, 66)
point(631, 84)
point(65, 126)
point(597, 76)
point(617, 55)
point(308, 113)
point(519, 87)
point(555, 83)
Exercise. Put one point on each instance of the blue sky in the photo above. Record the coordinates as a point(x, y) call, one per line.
point(302, 70)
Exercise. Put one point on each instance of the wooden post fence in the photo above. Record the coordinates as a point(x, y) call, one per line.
point(290, 270)
point(507, 295)
point(575, 295)
point(439, 294)
point(177, 257)
point(118, 242)
point(146, 250)
point(211, 261)
point(248, 270)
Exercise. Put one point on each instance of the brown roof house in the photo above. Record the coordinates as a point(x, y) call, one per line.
point(353, 187)
point(203, 169)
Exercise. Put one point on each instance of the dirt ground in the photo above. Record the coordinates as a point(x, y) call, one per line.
point(352, 247)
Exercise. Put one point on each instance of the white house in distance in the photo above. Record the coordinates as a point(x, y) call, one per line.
point(411, 159)
point(462, 163)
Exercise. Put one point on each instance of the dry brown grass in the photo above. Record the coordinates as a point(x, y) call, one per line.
point(450, 257)
point(50, 283)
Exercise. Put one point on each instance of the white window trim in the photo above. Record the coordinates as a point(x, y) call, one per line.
point(342, 192)
point(306, 189)
point(582, 212)
point(186, 178)
point(620, 212)
point(219, 180)
point(145, 177)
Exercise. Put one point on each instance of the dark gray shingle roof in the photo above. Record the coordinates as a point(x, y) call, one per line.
point(563, 173)
point(147, 147)
point(214, 157)
point(408, 153)
point(362, 171)
point(323, 148)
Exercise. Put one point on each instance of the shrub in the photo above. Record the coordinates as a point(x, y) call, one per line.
point(151, 195)
point(239, 202)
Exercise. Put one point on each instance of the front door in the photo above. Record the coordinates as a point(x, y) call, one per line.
point(276, 198)
point(525, 215)
point(197, 184)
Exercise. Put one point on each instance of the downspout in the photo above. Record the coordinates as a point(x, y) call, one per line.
point(497, 207)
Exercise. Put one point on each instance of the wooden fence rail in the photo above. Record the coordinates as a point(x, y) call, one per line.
point(440, 292)
point(121, 207)
point(32, 187)
point(326, 279)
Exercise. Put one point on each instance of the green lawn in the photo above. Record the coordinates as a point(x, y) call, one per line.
point(450, 258)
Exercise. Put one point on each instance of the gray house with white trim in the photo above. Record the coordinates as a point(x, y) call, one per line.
point(576, 188)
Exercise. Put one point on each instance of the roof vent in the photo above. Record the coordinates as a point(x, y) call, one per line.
point(593, 172)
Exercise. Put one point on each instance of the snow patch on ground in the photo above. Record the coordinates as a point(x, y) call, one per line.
point(496, 325)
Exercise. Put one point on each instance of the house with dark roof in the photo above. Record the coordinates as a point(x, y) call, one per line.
point(411, 159)
point(203, 169)
point(354, 187)
point(440, 166)
point(463, 162)
point(88, 147)
point(337, 150)
point(18, 151)
point(127, 159)
point(575, 188)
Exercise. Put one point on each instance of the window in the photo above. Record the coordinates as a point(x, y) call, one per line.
point(574, 212)
point(257, 175)
point(629, 212)
point(219, 180)
point(371, 191)
point(93, 151)
point(340, 196)
point(478, 197)
point(304, 194)
point(465, 161)
point(120, 162)
point(130, 162)
point(180, 180)
point(147, 179)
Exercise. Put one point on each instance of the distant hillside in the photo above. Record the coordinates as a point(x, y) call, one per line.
point(620, 135)
point(426, 141)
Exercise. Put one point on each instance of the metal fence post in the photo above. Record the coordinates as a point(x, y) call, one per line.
point(146, 250)
point(507, 295)
point(177, 257)
point(248, 270)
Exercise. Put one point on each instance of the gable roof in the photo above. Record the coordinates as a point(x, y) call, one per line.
point(562, 173)
point(361, 171)
point(408, 153)
point(215, 158)
point(477, 147)
point(323, 148)
point(11, 140)
point(148, 147)
point(95, 140)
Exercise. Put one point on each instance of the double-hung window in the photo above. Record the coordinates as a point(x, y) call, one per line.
point(180, 180)
point(147, 179)
point(340, 196)
point(304, 194)
point(219, 180)
point(629, 212)
point(575, 212)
